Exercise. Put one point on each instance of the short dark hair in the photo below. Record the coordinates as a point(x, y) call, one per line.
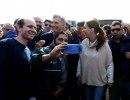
point(20, 22)
point(15, 21)
point(57, 34)
point(114, 23)
point(80, 24)
point(106, 27)
point(47, 20)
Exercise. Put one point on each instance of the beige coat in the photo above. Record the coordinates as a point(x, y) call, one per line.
point(95, 67)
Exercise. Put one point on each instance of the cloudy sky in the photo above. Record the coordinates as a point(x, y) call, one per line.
point(77, 10)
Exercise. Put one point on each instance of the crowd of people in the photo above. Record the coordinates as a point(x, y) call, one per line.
point(34, 66)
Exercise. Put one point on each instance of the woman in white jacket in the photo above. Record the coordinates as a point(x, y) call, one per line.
point(95, 64)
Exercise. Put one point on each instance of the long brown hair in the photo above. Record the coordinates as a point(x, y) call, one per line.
point(101, 36)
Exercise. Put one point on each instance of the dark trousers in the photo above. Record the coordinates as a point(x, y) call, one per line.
point(120, 90)
point(49, 97)
point(73, 91)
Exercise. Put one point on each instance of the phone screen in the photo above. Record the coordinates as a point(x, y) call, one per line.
point(73, 49)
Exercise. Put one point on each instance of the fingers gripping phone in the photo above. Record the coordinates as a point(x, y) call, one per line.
point(73, 49)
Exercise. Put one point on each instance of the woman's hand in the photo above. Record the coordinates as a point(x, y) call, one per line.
point(79, 81)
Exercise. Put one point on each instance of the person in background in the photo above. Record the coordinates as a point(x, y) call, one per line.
point(79, 92)
point(95, 70)
point(72, 89)
point(67, 26)
point(15, 75)
point(126, 28)
point(12, 33)
point(49, 68)
point(57, 25)
point(107, 30)
point(120, 47)
point(0, 32)
point(37, 42)
point(6, 27)
point(80, 27)
point(47, 25)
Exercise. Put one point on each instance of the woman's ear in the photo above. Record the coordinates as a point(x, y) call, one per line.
point(92, 30)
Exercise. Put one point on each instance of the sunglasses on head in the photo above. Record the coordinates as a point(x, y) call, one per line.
point(115, 29)
point(47, 25)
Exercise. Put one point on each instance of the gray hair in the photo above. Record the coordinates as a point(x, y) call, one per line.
point(61, 18)
point(6, 24)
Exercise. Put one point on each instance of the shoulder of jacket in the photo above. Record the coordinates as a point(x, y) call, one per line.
point(43, 50)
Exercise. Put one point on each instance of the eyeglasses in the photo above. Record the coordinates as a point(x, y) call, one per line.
point(115, 29)
point(61, 39)
point(48, 25)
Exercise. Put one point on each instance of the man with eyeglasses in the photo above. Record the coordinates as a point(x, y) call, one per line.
point(49, 68)
point(47, 25)
point(120, 47)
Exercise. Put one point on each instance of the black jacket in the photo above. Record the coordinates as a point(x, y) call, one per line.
point(48, 75)
point(15, 76)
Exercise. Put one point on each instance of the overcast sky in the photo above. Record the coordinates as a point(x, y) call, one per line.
point(77, 10)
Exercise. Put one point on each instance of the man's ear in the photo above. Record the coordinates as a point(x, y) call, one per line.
point(53, 40)
point(18, 28)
